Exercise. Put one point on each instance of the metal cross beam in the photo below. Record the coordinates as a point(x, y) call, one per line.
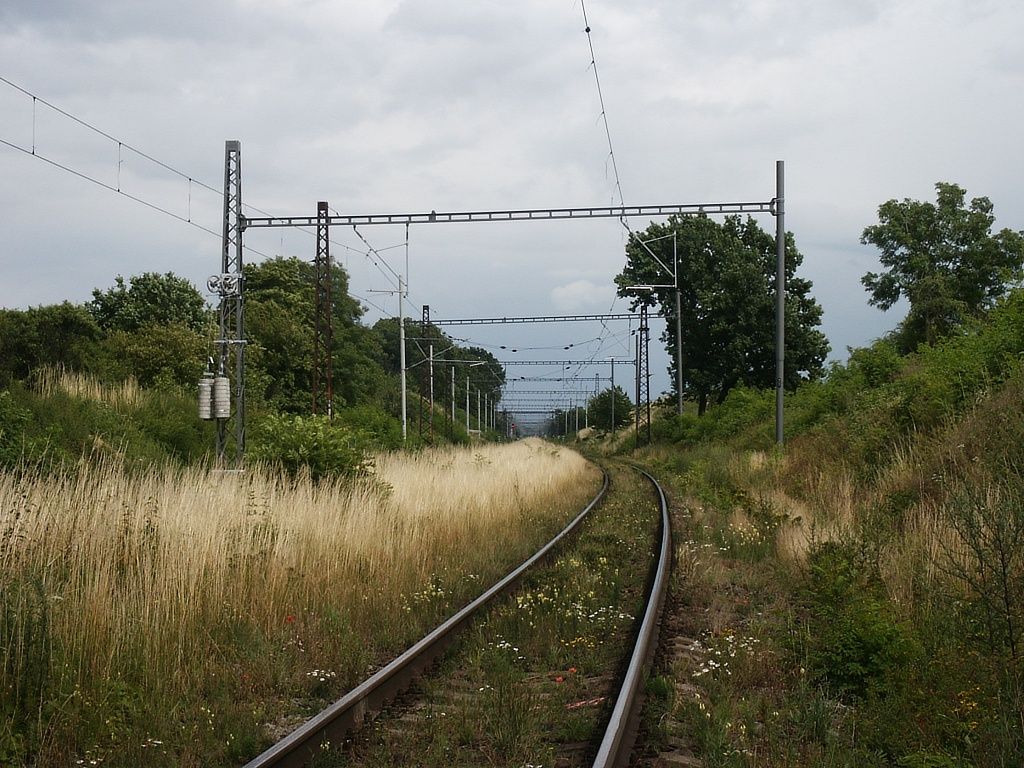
point(560, 404)
point(517, 412)
point(537, 319)
point(519, 392)
point(532, 214)
point(549, 378)
point(562, 362)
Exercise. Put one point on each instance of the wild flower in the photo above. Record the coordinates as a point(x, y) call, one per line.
point(322, 675)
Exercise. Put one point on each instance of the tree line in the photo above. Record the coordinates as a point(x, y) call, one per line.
point(942, 258)
point(160, 330)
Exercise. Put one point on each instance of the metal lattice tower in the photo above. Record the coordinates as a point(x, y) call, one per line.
point(643, 373)
point(230, 285)
point(323, 334)
point(424, 373)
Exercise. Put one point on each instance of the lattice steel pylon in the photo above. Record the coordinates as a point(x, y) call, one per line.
point(230, 285)
point(424, 373)
point(643, 374)
point(323, 332)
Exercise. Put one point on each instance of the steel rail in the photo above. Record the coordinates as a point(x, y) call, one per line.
point(620, 734)
point(333, 723)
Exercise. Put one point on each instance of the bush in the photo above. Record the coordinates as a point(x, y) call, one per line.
point(13, 420)
point(312, 443)
point(856, 645)
point(381, 429)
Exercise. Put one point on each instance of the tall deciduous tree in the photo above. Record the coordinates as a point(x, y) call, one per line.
point(727, 285)
point(279, 317)
point(149, 299)
point(60, 334)
point(943, 258)
point(601, 408)
point(154, 329)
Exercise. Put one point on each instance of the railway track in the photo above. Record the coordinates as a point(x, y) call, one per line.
point(614, 696)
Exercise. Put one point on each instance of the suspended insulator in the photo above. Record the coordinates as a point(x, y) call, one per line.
point(221, 398)
point(206, 398)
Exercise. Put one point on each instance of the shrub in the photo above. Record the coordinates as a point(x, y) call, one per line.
point(855, 644)
point(13, 420)
point(381, 429)
point(312, 443)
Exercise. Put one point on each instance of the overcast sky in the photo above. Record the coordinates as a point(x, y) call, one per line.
point(419, 105)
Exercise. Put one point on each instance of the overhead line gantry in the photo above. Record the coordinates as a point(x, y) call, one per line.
point(238, 223)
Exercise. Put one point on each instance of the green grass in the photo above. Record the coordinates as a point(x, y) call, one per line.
point(531, 675)
point(879, 560)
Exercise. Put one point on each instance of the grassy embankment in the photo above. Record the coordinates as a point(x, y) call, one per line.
point(180, 617)
point(64, 417)
point(858, 598)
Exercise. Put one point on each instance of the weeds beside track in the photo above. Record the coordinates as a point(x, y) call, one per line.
point(537, 677)
point(182, 618)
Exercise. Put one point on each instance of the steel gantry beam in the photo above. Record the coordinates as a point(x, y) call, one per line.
point(562, 362)
point(517, 412)
point(526, 214)
point(570, 392)
point(539, 319)
point(557, 378)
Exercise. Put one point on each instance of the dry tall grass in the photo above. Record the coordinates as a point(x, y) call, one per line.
point(138, 572)
point(50, 381)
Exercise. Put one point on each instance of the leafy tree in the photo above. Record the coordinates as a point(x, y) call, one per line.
point(157, 355)
point(600, 408)
point(279, 316)
point(943, 258)
point(149, 299)
point(727, 282)
point(59, 334)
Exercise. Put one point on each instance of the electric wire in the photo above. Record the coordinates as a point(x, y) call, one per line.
point(192, 181)
point(105, 185)
point(607, 130)
point(600, 97)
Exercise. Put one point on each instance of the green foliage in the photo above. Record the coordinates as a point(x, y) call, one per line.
point(167, 356)
point(311, 444)
point(13, 421)
point(727, 297)
point(989, 523)
point(742, 408)
point(25, 663)
point(856, 645)
point(149, 299)
point(378, 428)
point(944, 259)
point(280, 313)
point(58, 335)
point(879, 397)
point(600, 409)
point(59, 430)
